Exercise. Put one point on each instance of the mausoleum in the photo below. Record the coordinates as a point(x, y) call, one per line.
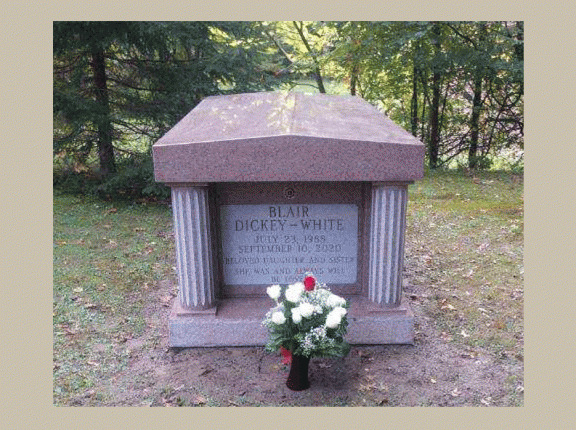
point(267, 186)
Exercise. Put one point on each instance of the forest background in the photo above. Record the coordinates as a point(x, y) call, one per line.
point(119, 86)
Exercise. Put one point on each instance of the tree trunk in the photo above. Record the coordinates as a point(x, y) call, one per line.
point(319, 82)
point(353, 80)
point(318, 73)
point(476, 105)
point(474, 123)
point(434, 143)
point(414, 103)
point(104, 124)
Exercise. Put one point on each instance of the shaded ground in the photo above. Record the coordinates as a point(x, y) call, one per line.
point(433, 371)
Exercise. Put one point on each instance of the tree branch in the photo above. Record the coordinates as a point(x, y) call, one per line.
point(463, 36)
point(314, 59)
point(273, 39)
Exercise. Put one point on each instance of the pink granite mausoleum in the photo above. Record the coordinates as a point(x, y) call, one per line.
point(266, 186)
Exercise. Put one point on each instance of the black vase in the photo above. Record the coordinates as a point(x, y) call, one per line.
point(298, 376)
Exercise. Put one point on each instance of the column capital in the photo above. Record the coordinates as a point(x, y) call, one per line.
point(188, 184)
point(400, 184)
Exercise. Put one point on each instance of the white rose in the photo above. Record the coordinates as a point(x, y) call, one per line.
point(333, 320)
point(296, 315)
point(294, 292)
point(278, 318)
point(306, 309)
point(274, 291)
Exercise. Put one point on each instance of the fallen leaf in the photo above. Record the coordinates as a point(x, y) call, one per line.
point(199, 400)
point(205, 372)
point(464, 334)
point(368, 387)
point(455, 392)
point(483, 246)
point(166, 300)
point(433, 380)
point(382, 401)
point(445, 336)
point(78, 290)
point(486, 401)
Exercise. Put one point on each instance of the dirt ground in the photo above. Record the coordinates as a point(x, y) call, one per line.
point(435, 371)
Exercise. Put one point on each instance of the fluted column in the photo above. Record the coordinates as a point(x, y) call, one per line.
point(387, 228)
point(193, 247)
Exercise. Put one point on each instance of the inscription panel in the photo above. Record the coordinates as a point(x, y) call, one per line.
point(277, 243)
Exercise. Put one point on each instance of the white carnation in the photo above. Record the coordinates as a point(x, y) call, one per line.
point(340, 311)
point(278, 318)
point(306, 309)
point(333, 320)
point(274, 291)
point(298, 286)
point(294, 292)
point(296, 315)
point(334, 300)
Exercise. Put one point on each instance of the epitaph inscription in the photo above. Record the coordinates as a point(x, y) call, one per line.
point(268, 244)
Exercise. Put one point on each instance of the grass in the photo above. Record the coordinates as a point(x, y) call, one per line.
point(464, 252)
point(105, 256)
point(472, 249)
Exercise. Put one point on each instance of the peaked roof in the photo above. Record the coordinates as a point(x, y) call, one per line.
point(285, 136)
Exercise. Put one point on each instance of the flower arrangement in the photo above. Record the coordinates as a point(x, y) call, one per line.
point(310, 321)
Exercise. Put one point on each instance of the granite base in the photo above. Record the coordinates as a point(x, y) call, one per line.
point(238, 322)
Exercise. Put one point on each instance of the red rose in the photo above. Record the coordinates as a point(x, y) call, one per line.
point(309, 283)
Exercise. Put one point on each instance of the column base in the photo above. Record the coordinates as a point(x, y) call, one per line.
point(370, 324)
point(180, 311)
point(238, 322)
